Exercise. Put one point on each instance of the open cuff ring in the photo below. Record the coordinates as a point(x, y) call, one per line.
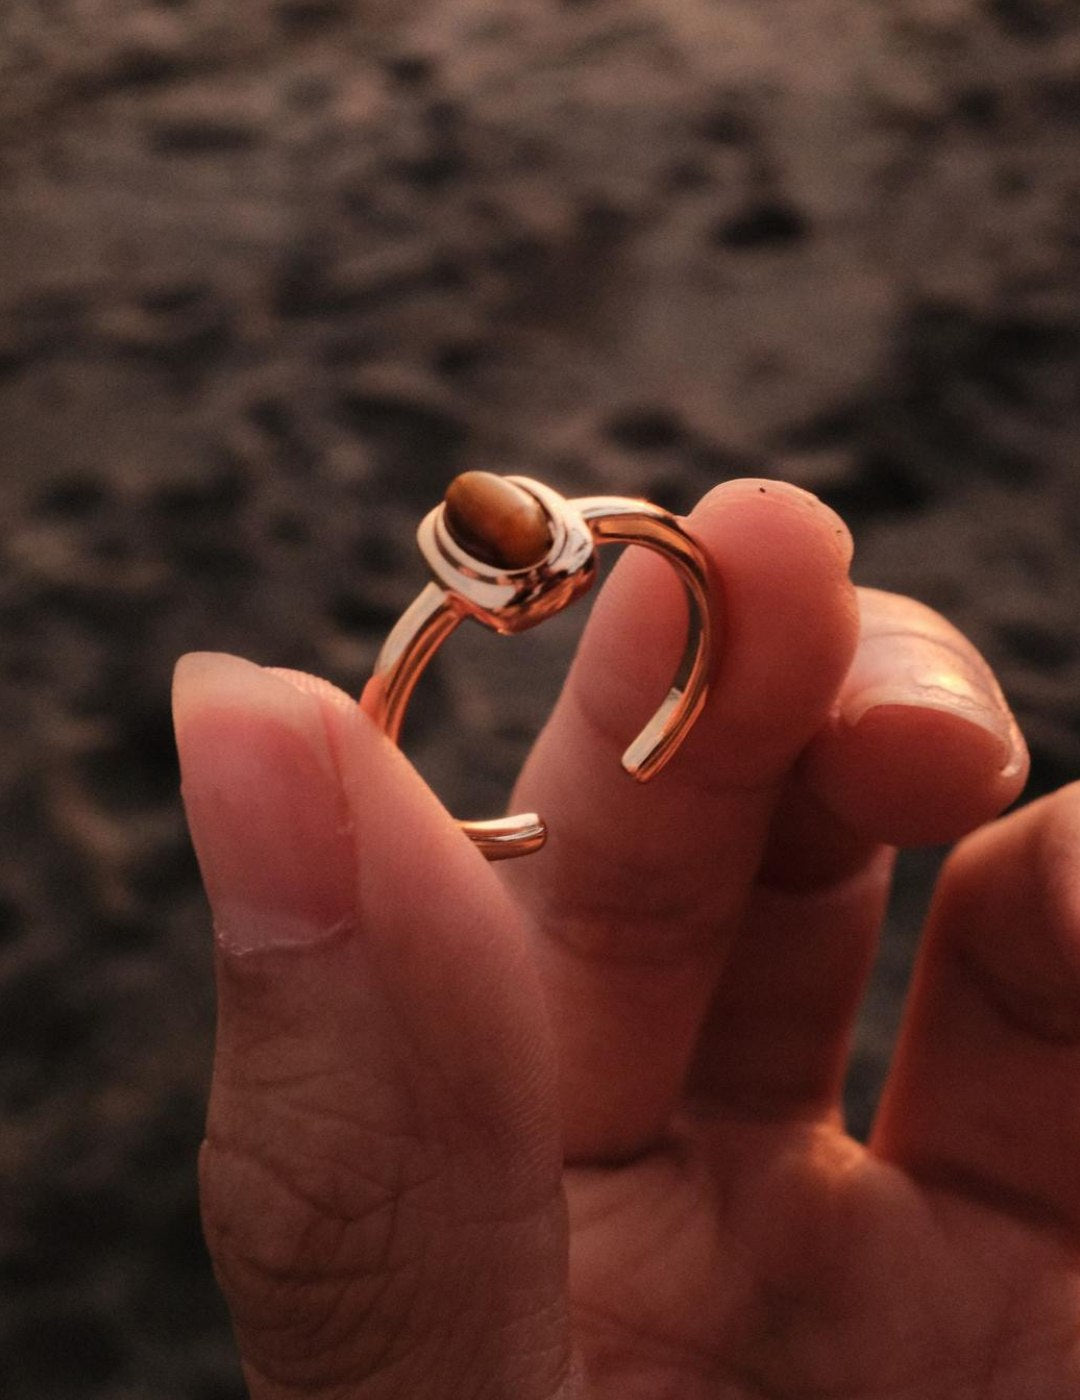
point(511, 552)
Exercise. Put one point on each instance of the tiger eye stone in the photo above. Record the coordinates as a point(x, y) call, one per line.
point(496, 521)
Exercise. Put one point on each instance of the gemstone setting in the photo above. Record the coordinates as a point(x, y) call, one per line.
point(497, 521)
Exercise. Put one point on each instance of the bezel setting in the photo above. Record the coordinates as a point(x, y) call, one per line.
point(513, 600)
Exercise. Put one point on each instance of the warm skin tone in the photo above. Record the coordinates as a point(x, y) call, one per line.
point(569, 1127)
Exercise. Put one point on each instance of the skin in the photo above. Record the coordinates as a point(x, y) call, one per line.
point(570, 1126)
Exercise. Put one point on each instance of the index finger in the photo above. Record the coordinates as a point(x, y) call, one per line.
point(640, 888)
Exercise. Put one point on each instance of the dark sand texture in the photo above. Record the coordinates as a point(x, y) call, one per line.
point(272, 271)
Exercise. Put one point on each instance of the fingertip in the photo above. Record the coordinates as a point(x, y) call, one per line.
point(791, 618)
point(769, 494)
point(316, 686)
point(202, 675)
point(222, 701)
point(786, 625)
point(910, 775)
point(265, 806)
point(921, 746)
point(1015, 884)
point(980, 1100)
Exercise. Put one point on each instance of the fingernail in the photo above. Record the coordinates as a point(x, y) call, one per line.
point(268, 819)
point(925, 673)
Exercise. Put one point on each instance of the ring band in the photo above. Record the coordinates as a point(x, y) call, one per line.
point(475, 542)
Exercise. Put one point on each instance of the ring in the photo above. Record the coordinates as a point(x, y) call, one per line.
point(510, 552)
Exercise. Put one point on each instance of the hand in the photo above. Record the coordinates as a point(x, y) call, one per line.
point(569, 1127)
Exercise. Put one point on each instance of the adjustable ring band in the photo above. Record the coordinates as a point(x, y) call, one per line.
point(510, 552)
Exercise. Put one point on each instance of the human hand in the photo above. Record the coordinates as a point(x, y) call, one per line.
point(569, 1126)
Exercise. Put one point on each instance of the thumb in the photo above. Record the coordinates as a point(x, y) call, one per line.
point(381, 1176)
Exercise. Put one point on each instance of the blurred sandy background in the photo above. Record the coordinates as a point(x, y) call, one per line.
point(272, 271)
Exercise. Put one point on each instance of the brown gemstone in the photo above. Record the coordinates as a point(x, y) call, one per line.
point(496, 521)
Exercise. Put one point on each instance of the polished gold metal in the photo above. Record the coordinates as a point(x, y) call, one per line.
point(510, 600)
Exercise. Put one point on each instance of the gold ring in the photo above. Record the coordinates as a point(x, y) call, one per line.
point(510, 552)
